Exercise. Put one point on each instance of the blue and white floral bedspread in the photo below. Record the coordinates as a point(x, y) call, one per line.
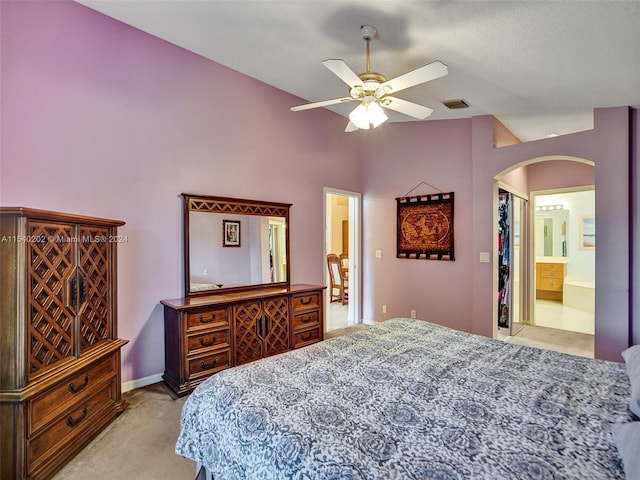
point(408, 399)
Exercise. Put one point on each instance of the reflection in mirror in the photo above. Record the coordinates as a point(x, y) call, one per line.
point(260, 257)
point(551, 231)
point(234, 244)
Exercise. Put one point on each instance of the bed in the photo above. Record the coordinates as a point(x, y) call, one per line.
point(409, 399)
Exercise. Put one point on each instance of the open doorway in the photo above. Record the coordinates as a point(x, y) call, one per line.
point(564, 246)
point(342, 238)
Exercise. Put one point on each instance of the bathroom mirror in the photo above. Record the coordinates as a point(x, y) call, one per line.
point(234, 244)
point(551, 231)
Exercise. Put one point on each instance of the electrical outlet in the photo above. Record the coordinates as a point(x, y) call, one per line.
point(205, 271)
point(384, 309)
point(413, 314)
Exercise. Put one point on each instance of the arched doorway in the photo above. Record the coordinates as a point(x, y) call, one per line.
point(552, 319)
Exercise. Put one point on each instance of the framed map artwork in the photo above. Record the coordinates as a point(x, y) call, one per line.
point(425, 227)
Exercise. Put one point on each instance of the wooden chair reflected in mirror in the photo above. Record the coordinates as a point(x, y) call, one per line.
point(339, 280)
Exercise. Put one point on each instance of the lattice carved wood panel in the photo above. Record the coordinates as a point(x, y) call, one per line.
point(225, 206)
point(248, 345)
point(277, 339)
point(94, 266)
point(51, 263)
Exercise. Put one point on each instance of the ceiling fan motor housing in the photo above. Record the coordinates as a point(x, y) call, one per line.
point(368, 32)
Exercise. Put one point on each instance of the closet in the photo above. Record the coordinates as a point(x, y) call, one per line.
point(512, 264)
point(60, 368)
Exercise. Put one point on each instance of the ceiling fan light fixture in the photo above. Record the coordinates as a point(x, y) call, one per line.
point(368, 114)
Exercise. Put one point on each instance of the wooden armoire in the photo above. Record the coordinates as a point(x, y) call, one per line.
point(59, 350)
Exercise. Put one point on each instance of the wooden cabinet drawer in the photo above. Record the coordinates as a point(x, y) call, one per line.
point(552, 267)
point(208, 364)
point(206, 340)
point(552, 274)
point(71, 425)
point(206, 319)
point(45, 407)
point(308, 319)
point(300, 339)
point(309, 300)
point(553, 284)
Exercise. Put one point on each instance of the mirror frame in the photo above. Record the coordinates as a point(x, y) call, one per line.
point(237, 206)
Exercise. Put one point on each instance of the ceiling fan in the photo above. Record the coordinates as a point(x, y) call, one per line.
point(373, 90)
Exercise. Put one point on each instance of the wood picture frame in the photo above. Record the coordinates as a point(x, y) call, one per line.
point(230, 233)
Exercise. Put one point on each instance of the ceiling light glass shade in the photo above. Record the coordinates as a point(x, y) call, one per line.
point(376, 114)
point(359, 117)
point(368, 114)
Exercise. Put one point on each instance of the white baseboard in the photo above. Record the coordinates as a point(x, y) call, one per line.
point(141, 382)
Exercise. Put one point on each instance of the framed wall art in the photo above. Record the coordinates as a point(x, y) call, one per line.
point(587, 233)
point(425, 227)
point(230, 233)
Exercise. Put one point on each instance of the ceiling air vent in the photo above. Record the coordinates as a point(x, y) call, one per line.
point(455, 104)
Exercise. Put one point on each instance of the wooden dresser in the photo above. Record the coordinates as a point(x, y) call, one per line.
point(550, 280)
point(59, 351)
point(206, 334)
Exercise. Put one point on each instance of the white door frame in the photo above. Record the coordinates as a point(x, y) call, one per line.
point(354, 308)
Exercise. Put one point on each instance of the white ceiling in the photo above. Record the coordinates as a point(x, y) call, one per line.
point(540, 67)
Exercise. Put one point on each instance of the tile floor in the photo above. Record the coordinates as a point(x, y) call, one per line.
point(336, 316)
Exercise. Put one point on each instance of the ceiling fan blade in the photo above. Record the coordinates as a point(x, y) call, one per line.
point(343, 71)
point(324, 103)
point(351, 127)
point(423, 74)
point(408, 108)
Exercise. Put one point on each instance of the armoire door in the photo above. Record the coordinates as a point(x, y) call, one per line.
point(51, 264)
point(94, 286)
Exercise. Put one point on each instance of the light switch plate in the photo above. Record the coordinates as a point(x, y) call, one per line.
point(484, 257)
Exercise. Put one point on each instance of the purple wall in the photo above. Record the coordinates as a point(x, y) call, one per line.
point(101, 119)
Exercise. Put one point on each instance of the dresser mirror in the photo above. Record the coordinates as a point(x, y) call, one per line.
point(234, 244)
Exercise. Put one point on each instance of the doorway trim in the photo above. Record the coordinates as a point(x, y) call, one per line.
point(354, 307)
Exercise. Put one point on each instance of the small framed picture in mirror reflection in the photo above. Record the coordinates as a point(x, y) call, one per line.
point(230, 233)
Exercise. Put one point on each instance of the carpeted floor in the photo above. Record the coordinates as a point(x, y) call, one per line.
point(139, 444)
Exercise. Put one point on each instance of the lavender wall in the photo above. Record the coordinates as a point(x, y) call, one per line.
point(459, 156)
point(101, 119)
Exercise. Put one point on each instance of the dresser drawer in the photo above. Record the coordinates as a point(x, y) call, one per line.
point(552, 274)
point(309, 300)
point(552, 284)
point(43, 408)
point(207, 319)
point(308, 319)
point(208, 364)
point(205, 340)
point(307, 337)
point(74, 423)
point(552, 267)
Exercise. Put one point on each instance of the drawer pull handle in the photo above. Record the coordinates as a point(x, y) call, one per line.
point(205, 344)
point(74, 389)
point(306, 300)
point(306, 319)
point(203, 320)
point(73, 423)
point(306, 336)
point(204, 365)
